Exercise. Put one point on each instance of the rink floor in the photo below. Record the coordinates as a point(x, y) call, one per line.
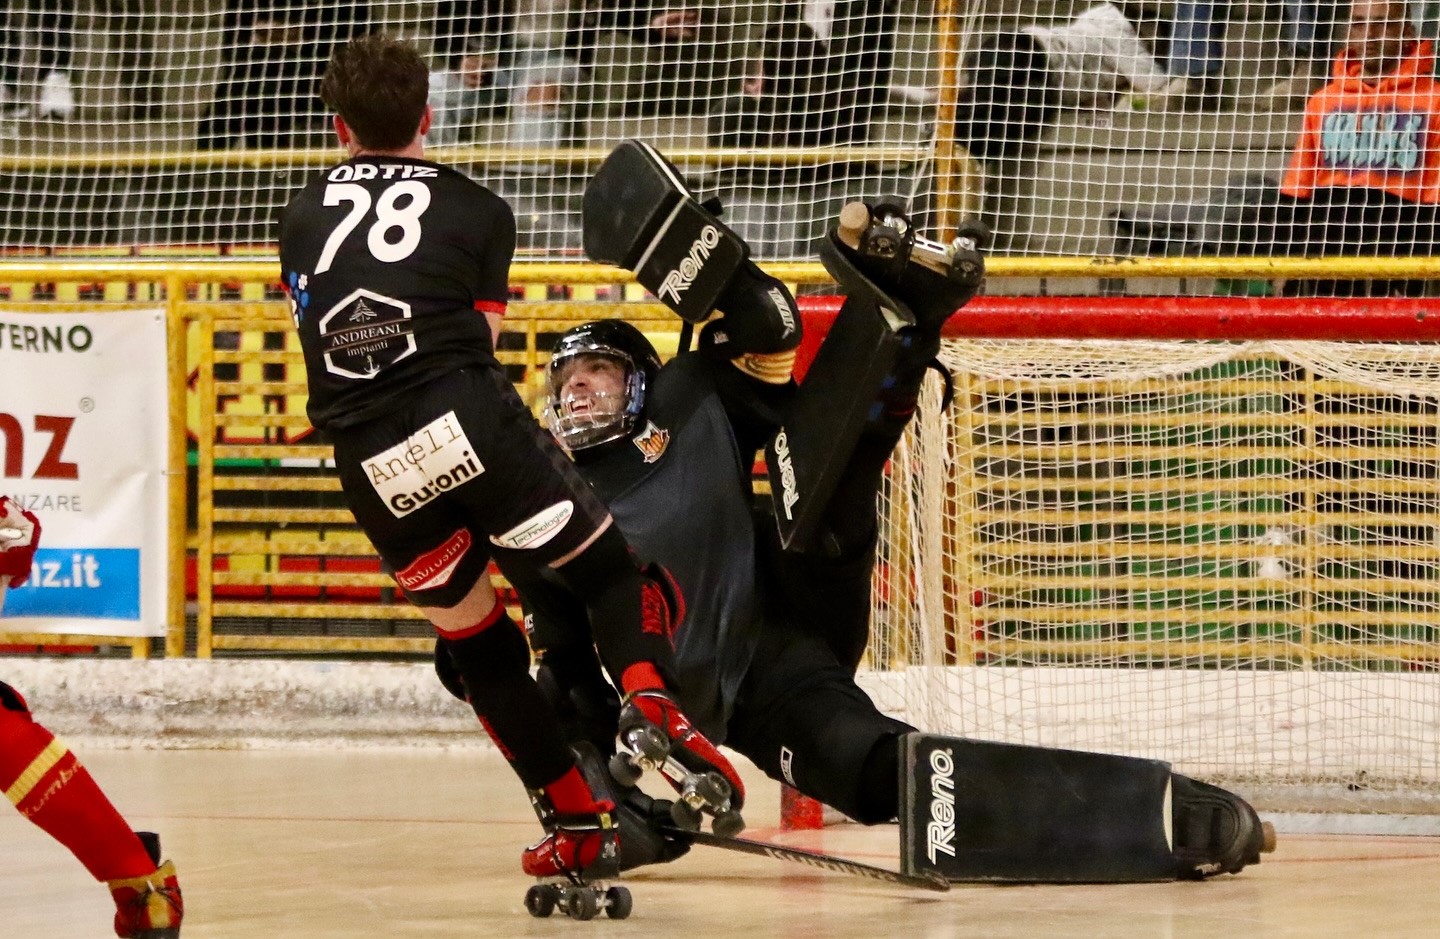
point(397, 843)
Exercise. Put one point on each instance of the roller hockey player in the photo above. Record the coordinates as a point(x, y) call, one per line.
point(397, 271)
point(50, 787)
point(771, 620)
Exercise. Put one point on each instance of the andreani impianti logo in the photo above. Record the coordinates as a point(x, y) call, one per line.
point(91, 583)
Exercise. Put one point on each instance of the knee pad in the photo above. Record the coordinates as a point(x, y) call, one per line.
point(11, 700)
point(446, 671)
point(488, 658)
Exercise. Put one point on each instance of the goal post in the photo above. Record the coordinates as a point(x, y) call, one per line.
point(1221, 552)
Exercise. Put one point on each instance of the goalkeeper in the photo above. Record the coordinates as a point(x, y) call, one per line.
point(768, 640)
point(769, 614)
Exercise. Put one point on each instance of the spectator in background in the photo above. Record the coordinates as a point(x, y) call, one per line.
point(783, 96)
point(535, 87)
point(1018, 82)
point(688, 55)
point(817, 80)
point(46, 32)
point(1364, 177)
point(466, 94)
point(271, 65)
point(1197, 57)
point(462, 25)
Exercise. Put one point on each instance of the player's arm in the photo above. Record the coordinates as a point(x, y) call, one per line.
point(19, 537)
point(496, 251)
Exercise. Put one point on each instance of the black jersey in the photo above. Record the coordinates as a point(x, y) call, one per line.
point(683, 474)
point(390, 264)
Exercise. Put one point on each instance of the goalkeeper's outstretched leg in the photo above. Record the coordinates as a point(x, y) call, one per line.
point(979, 811)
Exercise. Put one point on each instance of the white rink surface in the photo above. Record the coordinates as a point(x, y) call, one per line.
point(419, 842)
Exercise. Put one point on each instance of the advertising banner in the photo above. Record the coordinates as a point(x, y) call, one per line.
point(83, 417)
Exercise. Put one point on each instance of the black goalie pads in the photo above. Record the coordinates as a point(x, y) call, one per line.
point(991, 812)
point(639, 214)
point(806, 458)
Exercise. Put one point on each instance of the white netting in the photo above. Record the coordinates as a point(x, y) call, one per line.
point(1142, 128)
point(1077, 127)
point(130, 123)
point(1225, 555)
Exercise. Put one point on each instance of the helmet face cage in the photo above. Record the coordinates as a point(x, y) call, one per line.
point(604, 417)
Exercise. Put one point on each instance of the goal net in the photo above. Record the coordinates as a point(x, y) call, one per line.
point(1221, 554)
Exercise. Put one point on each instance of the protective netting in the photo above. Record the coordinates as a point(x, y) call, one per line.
point(135, 122)
point(1076, 127)
point(1141, 128)
point(1226, 555)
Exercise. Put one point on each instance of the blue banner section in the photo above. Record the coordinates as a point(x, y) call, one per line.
point(98, 583)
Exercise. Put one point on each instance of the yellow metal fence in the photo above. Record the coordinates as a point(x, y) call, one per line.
point(277, 562)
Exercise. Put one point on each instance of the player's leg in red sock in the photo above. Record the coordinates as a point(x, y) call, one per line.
point(49, 786)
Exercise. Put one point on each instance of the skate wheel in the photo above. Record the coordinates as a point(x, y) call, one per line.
point(540, 900)
point(966, 271)
point(1267, 837)
point(685, 816)
point(618, 903)
point(650, 743)
point(976, 230)
point(624, 771)
point(580, 903)
point(713, 790)
point(728, 824)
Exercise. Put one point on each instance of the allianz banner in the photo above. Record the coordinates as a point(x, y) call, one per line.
point(83, 417)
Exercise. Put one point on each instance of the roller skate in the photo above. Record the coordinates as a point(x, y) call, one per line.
point(579, 852)
point(874, 249)
point(1216, 832)
point(655, 735)
point(639, 816)
point(148, 907)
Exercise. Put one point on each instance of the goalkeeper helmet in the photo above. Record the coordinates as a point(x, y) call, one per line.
point(598, 377)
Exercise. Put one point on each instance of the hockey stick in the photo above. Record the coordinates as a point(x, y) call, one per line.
point(928, 881)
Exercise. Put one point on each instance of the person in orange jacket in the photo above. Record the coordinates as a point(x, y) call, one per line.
point(1364, 177)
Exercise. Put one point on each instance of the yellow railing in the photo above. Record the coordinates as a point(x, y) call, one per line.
point(206, 297)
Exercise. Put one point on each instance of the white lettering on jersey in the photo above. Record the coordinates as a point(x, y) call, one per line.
point(346, 172)
point(433, 460)
point(365, 333)
point(390, 215)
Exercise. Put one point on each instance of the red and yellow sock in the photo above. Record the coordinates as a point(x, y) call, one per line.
point(49, 786)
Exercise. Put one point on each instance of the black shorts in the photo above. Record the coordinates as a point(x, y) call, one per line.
point(457, 473)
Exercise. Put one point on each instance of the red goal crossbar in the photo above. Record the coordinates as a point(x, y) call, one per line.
point(1376, 319)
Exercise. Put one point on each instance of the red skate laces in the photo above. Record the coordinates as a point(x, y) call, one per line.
point(148, 907)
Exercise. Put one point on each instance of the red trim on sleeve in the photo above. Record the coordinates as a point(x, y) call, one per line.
point(491, 306)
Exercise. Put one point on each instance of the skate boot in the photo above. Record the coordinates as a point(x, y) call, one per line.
point(148, 907)
point(639, 817)
point(580, 850)
point(655, 734)
point(874, 250)
point(1216, 832)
